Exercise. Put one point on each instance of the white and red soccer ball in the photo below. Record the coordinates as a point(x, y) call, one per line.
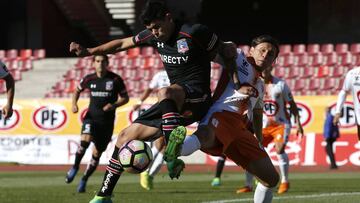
point(135, 156)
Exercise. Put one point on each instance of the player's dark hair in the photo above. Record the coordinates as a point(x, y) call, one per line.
point(103, 55)
point(266, 38)
point(154, 10)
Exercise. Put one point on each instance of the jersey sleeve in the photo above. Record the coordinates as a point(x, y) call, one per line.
point(287, 93)
point(143, 38)
point(347, 83)
point(121, 88)
point(205, 37)
point(154, 83)
point(84, 83)
point(3, 70)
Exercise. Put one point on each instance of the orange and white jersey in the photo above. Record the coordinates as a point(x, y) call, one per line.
point(351, 85)
point(228, 99)
point(277, 95)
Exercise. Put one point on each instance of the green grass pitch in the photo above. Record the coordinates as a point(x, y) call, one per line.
point(49, 187)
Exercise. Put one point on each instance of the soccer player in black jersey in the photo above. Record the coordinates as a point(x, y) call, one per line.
point(186, 52)
point(107, 92)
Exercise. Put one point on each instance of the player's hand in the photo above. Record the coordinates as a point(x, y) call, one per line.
point(78, 49)
point(75, 108)
point(336, 119)
point(229, 50)
point(299, 133)
point(136, 107)
point(7, 111)
point(108, 107)
point(248, 90)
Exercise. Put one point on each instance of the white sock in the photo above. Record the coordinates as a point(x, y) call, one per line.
point(154, 151)
point(249, 179)
point(156, 165)
point(284, 166)
point(262, 194)
point(191, 144)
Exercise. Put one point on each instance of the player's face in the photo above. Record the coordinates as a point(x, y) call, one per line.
point(161, 29)
point(264, 55)
point(100, 63)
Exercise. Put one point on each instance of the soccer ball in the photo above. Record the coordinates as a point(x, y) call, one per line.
point(135, 156)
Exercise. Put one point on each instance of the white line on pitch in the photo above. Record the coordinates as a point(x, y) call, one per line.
point(291, 197)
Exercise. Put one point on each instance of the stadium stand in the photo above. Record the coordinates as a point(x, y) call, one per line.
point(309, 69)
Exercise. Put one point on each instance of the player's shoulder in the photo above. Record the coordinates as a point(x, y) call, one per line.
point(113, 75)
point(192, 29)
point(354, 71)
point(90, 76)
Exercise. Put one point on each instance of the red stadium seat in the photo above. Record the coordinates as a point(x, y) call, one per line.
point(330, 83)
point(133, 52)
point(280, 72)
point(39, 53)
point(330, 59)
point(26, 64)
point(323, 71)
point(308, 72)
point(316, 59)
point(2, 54)
point(299, 49)
point(12, 54)
point(16, 74)
point(302, 60)
point(346, 59)
point(294, 72)
point(25, 53)
point(13, 64)
point(315, 84)
point(288, 60)
point(285, 49)
point(341, 48)
point(147, 51)
point(327, 48)
point(355, 48)
point(338, 71)
point(300, 85)
point(313, 48)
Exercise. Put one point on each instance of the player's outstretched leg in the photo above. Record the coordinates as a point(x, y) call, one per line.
point(70, 175)
point(99, 199)
point(172, 151)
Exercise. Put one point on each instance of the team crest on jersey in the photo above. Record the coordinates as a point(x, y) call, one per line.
point(109, 85)
point(182, 46)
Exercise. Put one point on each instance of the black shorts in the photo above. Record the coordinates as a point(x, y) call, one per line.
point(197, 103)
point(100, 131)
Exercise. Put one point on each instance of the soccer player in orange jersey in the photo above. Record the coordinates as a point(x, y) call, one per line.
point(277, 125)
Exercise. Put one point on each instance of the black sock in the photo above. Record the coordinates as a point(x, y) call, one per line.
point(94, 162)
point(112, 175)
point(220, 166)
point(170, 116)
point(80, 153)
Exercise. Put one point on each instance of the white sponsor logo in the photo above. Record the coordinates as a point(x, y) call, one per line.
point(160, 44)
point(106, 182)
point(174, 59)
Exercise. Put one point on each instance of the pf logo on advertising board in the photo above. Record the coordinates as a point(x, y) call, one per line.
point(10, 123)
point(50, 117)
point(305, 115)
point(347, 118)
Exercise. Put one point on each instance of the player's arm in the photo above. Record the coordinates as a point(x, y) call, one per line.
point(339, 105)
point(74, 100)
point(294, 111)
point(342, 98)
point(257, 123)
point(107, 48)
point(10, 92)
point(227, 52)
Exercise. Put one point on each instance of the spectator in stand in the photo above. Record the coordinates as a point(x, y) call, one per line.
point(331, 133)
